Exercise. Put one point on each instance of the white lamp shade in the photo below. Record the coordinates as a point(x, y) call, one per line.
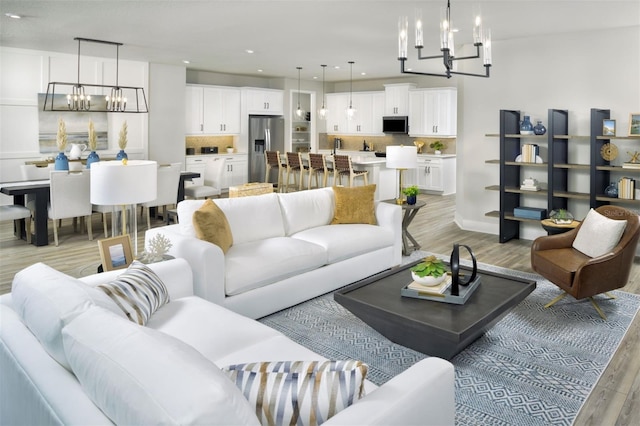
point(114, 183)
point(401, 157)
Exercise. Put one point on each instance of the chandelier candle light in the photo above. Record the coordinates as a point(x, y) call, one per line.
point(481, 39)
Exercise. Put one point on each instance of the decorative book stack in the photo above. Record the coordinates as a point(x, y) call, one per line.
point(626, 188)
point(529, 152)
point(434, 289)
point(530, 184)
point(530, 213)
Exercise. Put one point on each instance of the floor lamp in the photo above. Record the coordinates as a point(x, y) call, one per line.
point(124, 184)
point(401, 158)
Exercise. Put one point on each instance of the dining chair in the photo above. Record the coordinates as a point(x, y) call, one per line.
point(212, 178)
point(69, 194)
point(273, 160)
point(342, 167)
point(295, 167)
point(168, 181)
point(317, 165)
point(16, 212)
point(32, 172)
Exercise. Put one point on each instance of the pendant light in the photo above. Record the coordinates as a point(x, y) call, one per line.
point(351, 111)
point(77, 100)
point(300, 113)
point(322, 114)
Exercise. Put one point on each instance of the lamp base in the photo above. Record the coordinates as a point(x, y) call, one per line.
point(400, 201)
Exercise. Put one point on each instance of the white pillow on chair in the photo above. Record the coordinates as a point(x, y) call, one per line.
point(598, 234)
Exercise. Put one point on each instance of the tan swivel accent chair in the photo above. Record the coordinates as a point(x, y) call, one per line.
point(273, 161)
point(70, 198)
point(342, 167)
point(579, 275)
point(317, 165)
point(295, 167)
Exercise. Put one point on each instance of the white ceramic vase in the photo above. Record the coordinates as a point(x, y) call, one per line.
point(428, 280)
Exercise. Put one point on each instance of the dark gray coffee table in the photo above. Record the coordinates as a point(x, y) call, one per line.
point(433, 328)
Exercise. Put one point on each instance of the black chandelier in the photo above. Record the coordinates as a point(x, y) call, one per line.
point(118, 98)
point(480, 40)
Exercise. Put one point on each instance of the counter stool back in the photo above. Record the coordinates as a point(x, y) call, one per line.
point(318, 164)
point(343, 167)
point(273, 161)
point(295, 166)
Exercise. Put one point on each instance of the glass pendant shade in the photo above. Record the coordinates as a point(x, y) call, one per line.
point(300, 113)
point(323, 111)
point(351, 111)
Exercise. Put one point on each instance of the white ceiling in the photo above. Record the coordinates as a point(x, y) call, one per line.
point(214, 35)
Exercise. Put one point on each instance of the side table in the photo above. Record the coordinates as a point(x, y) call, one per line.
point(553, 228)
point(410, 211)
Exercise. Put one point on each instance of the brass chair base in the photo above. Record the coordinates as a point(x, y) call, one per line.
point(593, 302)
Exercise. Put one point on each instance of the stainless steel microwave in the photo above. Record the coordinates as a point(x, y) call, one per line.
point(395, 124)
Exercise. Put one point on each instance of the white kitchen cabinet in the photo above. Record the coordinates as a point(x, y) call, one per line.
point(396, 99)
point(212, 110)
point(236, 171)
point(367, 120)
point(433, 112)
point(337, 104)
point(264, 101)
point(436, 175)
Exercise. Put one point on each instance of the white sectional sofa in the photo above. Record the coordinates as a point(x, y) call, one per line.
point(169, 371)
point(285, 249)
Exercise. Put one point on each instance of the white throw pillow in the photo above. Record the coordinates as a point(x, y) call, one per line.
point(299, 392)
point(598, 234)
point(140, 376)
point(47, 300)
point(306, 209)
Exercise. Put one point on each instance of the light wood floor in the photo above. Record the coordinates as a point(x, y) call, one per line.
point(614, 401)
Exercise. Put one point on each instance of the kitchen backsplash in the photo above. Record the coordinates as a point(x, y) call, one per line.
point(222, 142)
point(379, 143)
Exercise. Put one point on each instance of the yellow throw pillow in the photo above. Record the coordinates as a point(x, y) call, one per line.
point(354, 205)
point(211, 225)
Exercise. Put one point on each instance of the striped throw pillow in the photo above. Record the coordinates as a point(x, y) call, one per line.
point(299, 392)
point(139, 292)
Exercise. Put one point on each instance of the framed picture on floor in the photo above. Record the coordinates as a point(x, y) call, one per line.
point(116, 252)
point(608, 127)
point(634, 124)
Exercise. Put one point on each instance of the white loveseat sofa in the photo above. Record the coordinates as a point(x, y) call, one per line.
point(284, 251)
point(167, 371)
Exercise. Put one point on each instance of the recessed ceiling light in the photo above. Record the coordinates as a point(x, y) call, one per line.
point(363, 73)
point(315, 78)
point(259, 70)
point(13, 15)
point(455, 30)
point(337, 67)
point(249, 51)
point(186, 62)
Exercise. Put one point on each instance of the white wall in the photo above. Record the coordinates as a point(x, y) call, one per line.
point(166, 113)
point(577, 72)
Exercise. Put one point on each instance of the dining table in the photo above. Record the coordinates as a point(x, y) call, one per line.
point(40, 191)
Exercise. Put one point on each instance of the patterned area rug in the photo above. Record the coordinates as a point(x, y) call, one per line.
point(535, 367)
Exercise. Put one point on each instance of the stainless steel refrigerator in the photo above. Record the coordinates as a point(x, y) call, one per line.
point(266, 133)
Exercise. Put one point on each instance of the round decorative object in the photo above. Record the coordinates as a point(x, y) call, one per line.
point(539, 129)
point(609, 151)
point(429, 280)
point(526, 128)
point(121, 155)
point(454, 264)
point(92, 158)
point(611, 190)
point(561, 217)
point(61, 162)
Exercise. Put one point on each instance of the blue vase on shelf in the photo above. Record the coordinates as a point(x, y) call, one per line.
point(92, 158)
point(539, 129)
point(611, 190)
point(61, 162)
point(121, 155)
point(526, 128)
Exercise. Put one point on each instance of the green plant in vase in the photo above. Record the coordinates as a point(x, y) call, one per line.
point(431, 271)
point(411, 193)
point(437, 146)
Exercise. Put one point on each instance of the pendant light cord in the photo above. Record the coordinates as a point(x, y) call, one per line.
point(350, 83)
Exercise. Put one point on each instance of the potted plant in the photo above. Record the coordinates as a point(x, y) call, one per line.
point(431, 271)
point(437, 146)
point(412, 194)
point(229, 149)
